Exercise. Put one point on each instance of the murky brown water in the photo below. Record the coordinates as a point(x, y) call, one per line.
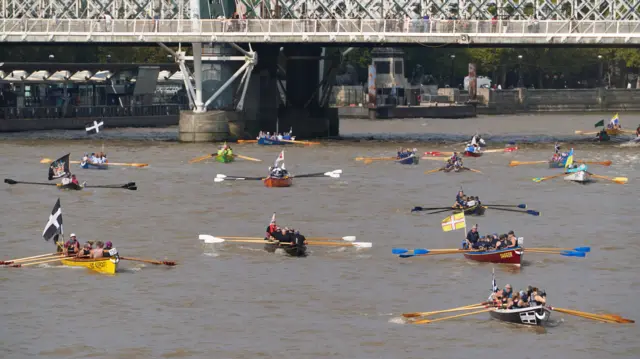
point(236, 301)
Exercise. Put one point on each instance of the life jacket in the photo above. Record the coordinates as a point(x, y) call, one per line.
point(71, 246)
point(105, 253)
point(86, 252)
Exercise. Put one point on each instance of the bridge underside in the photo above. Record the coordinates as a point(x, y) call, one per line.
point(326, 9)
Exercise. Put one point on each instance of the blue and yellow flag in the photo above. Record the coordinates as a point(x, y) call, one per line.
point(454, 222)
point(615, 120)
point(569, 161)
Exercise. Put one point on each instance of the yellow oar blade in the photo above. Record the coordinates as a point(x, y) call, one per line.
point(306, 143)
point(46, 160)
point(520, 163)
point(247, 141)
point(201, 158)
point(433, 171)
point(248, 158)
point(127, 164)
point(427, 321)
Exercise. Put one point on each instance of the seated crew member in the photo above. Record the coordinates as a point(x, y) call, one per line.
point(98, 252)
point(85, 252)
point(472, 237)
point(74, 180)
point(512, 240)
point(460, 202)
point(537, 297)
point(107, 247)
point(85, 158)
point(72, 246)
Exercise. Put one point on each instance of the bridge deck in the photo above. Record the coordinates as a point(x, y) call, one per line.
point(479, 32)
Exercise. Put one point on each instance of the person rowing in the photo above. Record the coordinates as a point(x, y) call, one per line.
point(614, 123)
point(98, 252)
point(85, 252)
point(225, 151)
point(602, 136)
point(460, 201)
point(72, 246)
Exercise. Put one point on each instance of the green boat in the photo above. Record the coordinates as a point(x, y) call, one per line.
point(225, 158)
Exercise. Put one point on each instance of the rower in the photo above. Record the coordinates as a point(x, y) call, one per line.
point(98, 252)
point(72, 246)
point(538, 297)
point(85, 252)
point(512, 240)
point(85, 158)
point(74, 180)
point(460, 203)
point(472, 237)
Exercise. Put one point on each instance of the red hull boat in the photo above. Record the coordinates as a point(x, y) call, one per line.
point(472, 154)
point(511, 256)
point(278, 182)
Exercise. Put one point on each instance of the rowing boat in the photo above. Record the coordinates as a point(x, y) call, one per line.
point(560, 162)
point(107, 265)
point(278, 182)
point(535, 316)
point(94, 166)
point(275, 142)
point(70, 186)
point(579, 177)
point(475, 210)
point(472, 151)
point(453, 168)
point(408, 159)
point(511, 256)
point(299, 250)
point(225, 158)
point(614, 131)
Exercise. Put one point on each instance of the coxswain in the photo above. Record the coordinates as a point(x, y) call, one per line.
point(107, 247)
point(512, 240)
point(272, 228)
point(72, 246)
point(460, 203)
point(74, 180)
point(472, 237)
point(98, 252)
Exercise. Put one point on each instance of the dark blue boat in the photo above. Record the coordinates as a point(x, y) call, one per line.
point(408, 158)
point(94, 166)
point(275, 142)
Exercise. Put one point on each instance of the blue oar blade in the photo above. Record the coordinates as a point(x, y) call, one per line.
point(399, 250)
point(406, 255)
point(523, 206)
point(533, 213)
point(420, 251)
point(416, 209)
point(573, 254)
point(582, 249)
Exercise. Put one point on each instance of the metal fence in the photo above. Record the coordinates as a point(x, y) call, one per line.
point(11, 113)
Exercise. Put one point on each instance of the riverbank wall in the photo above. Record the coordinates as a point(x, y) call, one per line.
point(496, 102)
point(78, 123)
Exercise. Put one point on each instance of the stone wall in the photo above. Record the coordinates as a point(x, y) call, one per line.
point(78, 123)
point(561, 100)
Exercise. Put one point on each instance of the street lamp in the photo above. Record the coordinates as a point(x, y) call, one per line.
point(600, 71)
point(51, 57)
point(520, 81)
point(453, 57)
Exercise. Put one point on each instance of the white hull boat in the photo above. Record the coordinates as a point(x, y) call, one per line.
point(580, 177)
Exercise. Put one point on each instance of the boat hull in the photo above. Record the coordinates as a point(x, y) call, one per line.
point(269, 142)
point(94, 166)
point(533, 316)
point(557, 164)
point(453, 169)
point(613, 131)
point(292, 250)
point(225, 159)
point(278, 182)
point(476, 210)
point(70, 187)
point(472, 154)
point(107, 265)
point(413, 160)
point(580, 177)
point(511, 256)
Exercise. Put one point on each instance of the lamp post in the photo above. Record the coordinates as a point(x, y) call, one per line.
point(599, 71)
point(453, 58)
point(520, 81)
point(52, 57)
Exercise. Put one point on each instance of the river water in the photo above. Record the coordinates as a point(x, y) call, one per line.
point(237, 301)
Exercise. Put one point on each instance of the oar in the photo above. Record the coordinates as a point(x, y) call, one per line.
point(497, 150)
point(577, 249)
point(438, 153)
point(49, 160)
point(433, 171)
point(434, 253)
point(563, 253)
point(418, 208)
point(10, 181)
point(520, 163)
point(375, 158)
point(528, 211)
point(590, 133)
point(247, 141)
point(307, 143)
point(130, 186)
point(211, 239)
point(201, 158)
point(248, 158)
point(540, 179)
point(421, 250)
point(57, 255)
point(443, 159)
point(49, 260)
point(345, 238)
point(472, 170)
point(443, 210)
point(152, 261)
point(603, 317)
point(522, 205)
point(423, 314)
point(603, 163)
point(28, 258)
point(332, 174)
point(221, 177)
point(427, 321)
point(618, 180)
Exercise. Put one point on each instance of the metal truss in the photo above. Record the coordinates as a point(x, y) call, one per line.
point(332, 9)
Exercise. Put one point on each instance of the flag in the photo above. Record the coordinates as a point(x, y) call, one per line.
point(273, 218)
point(454, 222)
point(53, 227)
point(279, 159)
point(59, 168)
point(93, 128)
point(494, 285)
point(569, 161)
point(600, 123)
point(615, 120)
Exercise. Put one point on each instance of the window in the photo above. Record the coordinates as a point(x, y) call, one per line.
point(383, 67)
point(398, 67)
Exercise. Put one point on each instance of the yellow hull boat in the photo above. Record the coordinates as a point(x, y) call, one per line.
point(107, 265)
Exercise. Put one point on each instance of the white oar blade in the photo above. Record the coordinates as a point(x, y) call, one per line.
point(362, 244)
point(218, 179)
point(337, 171)
point(210, 239)
point(349, 238)
point(334, 175)
point(220, 175)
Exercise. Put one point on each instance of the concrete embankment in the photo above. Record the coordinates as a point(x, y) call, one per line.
point(429, 111)
point(78, 123)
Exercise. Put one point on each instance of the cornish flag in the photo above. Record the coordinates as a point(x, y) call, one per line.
point(494, 285)
point(95, 127)
point(54, 226)
point(279, 159)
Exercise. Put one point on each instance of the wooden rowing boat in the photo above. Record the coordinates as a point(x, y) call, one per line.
point(410, 159)
point(70, 186)
point(275, 142)
point(278, 182)
point(582, 177)
point(290, 249)
point(614, 131)
point(472, 151)
point(225, 158)
point(453, 169)
point(475, 210)
point(94, 166)
point(535, 316)
point(511, 256)
point(107, 265)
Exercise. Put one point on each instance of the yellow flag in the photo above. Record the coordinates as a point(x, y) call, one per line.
point(454, 222)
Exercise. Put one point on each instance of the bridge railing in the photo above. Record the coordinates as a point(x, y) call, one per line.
point(12, 113)
point(141, 27)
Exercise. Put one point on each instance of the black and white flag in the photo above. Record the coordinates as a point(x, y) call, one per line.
point(59, 168)
point(95, 127)
point(54, 226)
